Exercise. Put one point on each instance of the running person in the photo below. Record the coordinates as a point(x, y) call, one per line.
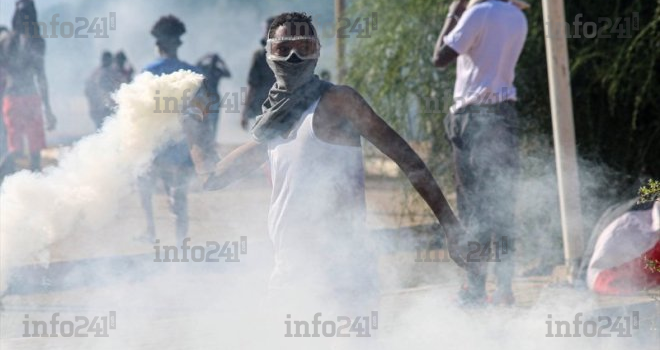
point(26, 92)
point(310, 133)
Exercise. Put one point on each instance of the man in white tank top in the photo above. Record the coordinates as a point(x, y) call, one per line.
point(317, 213)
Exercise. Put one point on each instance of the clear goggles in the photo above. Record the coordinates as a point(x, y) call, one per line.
point(305, 47)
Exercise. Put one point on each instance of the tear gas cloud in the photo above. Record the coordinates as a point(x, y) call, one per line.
point(85, 190)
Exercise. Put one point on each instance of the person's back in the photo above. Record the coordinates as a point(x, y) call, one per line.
point(489, 38)
point(22, 57)
point(175, 153)
point(169, 65)
point(99, 88)
point(173, 164)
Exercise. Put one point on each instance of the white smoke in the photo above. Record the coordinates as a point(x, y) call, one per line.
point(83, 192)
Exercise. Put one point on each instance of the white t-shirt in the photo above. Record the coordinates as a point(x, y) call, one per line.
point(488, 38)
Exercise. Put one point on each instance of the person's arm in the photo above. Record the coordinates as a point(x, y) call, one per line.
point(216, 174)
point(444, 55)
point(239, 163)
point(225, 73)
point(247, 108)
point(350, 104)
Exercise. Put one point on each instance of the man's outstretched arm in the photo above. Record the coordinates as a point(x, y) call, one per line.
point(217, 174)
point(354, 108)
point(239, 163)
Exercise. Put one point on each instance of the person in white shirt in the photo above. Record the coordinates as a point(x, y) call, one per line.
point(485, 39)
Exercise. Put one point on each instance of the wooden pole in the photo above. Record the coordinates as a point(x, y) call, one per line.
point(341, 45)
point(564, 133)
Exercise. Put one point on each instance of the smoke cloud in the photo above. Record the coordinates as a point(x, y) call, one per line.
point(85, 191)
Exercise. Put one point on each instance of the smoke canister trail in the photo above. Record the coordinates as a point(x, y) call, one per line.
point(83, 193)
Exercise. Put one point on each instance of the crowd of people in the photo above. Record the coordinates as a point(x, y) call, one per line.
point(309, 131)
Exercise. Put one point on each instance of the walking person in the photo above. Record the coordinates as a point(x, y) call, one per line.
point(173, 165)
point(25, 103)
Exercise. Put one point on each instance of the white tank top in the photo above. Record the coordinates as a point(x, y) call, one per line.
point(317, 210)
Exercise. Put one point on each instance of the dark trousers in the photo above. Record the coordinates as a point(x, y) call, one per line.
point(485, 146)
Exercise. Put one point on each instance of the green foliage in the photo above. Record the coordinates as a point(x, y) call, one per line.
point(393, 70)
point(652, 265)
point(614, 88)
point(650, 192)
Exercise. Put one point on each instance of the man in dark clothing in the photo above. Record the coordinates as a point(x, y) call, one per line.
point(99, 88)
point(25, 102)
point(260, 80)
point(214, 69)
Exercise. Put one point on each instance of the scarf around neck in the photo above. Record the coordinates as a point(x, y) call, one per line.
point(287, 100)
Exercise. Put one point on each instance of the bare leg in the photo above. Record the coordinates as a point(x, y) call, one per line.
point(179, 205)
point(7, 165)
point(35, 161)
point(145, 186)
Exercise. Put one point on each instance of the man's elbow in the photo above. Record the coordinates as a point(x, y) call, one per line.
point(440, 62)
point(444, 57)
point(437, 62)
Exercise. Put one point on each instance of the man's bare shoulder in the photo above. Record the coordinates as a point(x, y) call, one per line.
point(342, 91)
point(342, 97)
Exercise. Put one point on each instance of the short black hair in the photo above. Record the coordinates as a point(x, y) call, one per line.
point(168, 27)
point(296, 19)
point(25, 19)
point(106, 58)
